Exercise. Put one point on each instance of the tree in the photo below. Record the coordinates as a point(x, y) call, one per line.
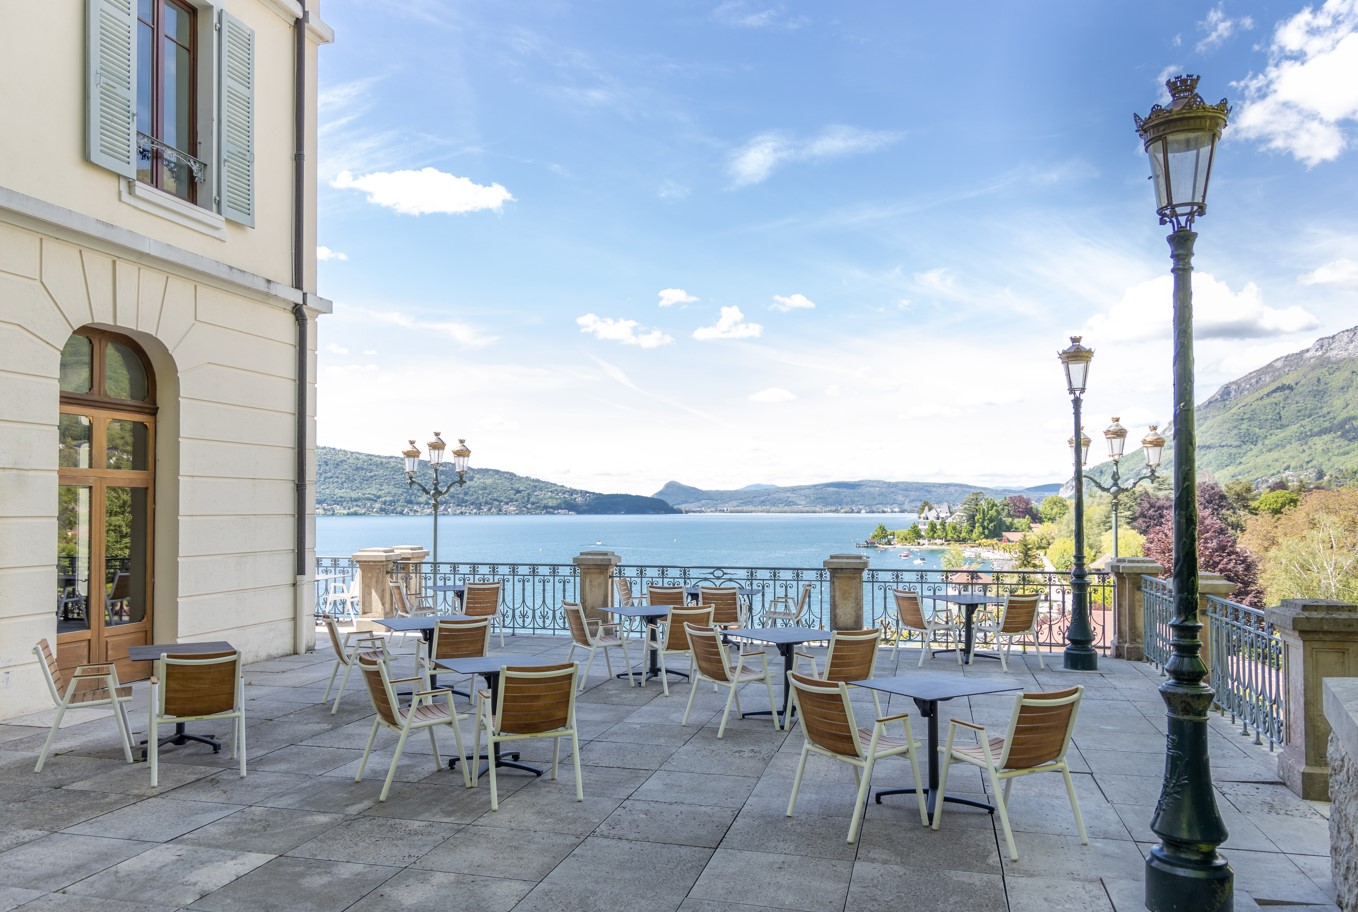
point(1276, 502)
point(1241, 495)
point(911, 535)
point(969, 507)
point(931, 530)
point(1020, 507)
point(989, 521)
point(1053, 508)
point(954, 558)
point(1219, 551)
point(1322, 563)
point(880, 533)
point(1131, 543)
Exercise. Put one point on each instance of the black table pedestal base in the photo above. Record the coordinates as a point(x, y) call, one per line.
point(181, 736)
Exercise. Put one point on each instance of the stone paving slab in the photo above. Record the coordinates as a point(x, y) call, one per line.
point(673, 818)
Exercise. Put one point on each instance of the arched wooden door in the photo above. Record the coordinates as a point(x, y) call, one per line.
point(106, 476)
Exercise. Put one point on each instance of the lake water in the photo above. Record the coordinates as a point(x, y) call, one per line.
point(693, 539)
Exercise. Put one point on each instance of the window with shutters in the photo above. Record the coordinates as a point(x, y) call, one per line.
point(171, 105)
point(165, 98)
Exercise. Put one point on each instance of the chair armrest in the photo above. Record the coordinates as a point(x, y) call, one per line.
point(100, 668)
point(965, 724)
point(431, 693)
point(406, 680)
point(803, 655)
point(99, 674)
point(885, 719)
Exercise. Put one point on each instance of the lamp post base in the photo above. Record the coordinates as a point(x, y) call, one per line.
point(1081, 658)
point(1179, 884)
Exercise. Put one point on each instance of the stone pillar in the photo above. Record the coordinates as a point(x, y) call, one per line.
point(373, 564)
point(1210, 584)
point(846, 590)
point(1341, 711)
point(1129, 629)
point(1320, 640)
point(596, 581)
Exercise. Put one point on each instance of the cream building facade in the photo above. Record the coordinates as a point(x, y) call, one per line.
point(157, 329)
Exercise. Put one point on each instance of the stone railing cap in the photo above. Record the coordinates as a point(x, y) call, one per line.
point(1341, 710)
point(846, 562)
point(1314, 615)
point(596, 557)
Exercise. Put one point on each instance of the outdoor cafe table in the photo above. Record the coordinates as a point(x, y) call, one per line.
point(457, 589)
point(928, 689)
point(489, 667)
point(646, 613)
point(787, 639)
point(155, 651)
point(425, 624)
point(969, 601)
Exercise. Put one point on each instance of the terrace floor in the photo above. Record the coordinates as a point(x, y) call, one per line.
point(673, 819)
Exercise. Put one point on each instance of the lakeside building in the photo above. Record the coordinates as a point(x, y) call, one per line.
point(157, 312)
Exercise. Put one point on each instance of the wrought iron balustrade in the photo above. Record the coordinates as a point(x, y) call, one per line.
point(1157, 610)
point(531, 594)
point(1245, 668)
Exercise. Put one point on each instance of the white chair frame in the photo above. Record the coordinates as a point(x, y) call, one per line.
point(489, 722)
point(732, 679)
point(86, 680)
point(1029, 633)
point(159, 716)
point(595, 640)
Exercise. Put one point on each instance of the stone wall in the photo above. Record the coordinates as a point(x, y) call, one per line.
point(1341, 709)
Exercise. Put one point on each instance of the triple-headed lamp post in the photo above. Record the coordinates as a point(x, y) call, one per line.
point(1080, 654)
point(1153, 445)
point(437, 446)
point(1185, 871)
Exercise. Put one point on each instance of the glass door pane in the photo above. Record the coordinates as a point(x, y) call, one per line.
point(73, 558)
point(125, 541)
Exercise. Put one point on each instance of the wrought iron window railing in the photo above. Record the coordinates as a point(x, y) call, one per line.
point(176, 159)
point(1157, 610)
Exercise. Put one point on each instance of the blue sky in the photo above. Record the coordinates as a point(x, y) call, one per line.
point(613, 244)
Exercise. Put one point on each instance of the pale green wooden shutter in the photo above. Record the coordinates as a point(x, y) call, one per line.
point(237, 172)
point(111, 74)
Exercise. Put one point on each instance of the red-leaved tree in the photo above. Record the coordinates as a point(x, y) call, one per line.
point(1218, 549)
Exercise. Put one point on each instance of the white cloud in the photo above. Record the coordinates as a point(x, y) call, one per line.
point(424, 191)
point(1219, 27)
point(937, 281)
point(461, 333)
point(746, 14)
point(791, 302)
point(325, 253)
point(672, 296)
point(336, 349)
point(753, 162)
point(624, 331)
point(773, 394)
point(1306, 102)
point(1342, 272)
point(1145, 312)
point(669, 189)
point(903, 304)
point(730, 325)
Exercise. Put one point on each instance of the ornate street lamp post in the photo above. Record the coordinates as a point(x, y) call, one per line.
point(436, 451)
point(1152, 444)
point(1080, 654)
point(1185, 871)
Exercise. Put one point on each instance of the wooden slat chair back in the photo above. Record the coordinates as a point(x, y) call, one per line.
point(458, 639)
point(666, 595)
point(402, 605)
point(712, 664)
point(624, 589)
point(831, 731)
point(428, 710)
point(483, 600)
point(852, 655)
point(88, 685)
point(591, 635)
point(1036, 741)
point(347, 647)
point(1017, 622)
point(910, 617)
point(671, 638)
point(197, 686)
point(537, 702)
point(788, 610)
point(725, 604)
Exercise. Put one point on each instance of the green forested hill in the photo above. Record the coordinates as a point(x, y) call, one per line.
point(1296, 416)
point(833, 496)
point(349, 483)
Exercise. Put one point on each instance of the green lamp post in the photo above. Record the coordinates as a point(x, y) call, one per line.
point(437, 448)
point(1185, 872)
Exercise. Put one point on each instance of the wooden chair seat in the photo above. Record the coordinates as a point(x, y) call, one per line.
point(428, 710)
point(711, 663)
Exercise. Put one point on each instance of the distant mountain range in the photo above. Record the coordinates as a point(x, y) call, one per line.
point(1295, 416)
point(354, 484)
point(834, 496)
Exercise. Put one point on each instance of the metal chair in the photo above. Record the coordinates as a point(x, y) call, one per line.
point(1036, 742)
point(910, 616)
point(483, 600)
point(89, 685)
point(532, 703)
point(589, 635)
point(831, 731)
point(787, 609)
point(1017, 621)
point(669, 637)
point(711, 663)
point(186, 688)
